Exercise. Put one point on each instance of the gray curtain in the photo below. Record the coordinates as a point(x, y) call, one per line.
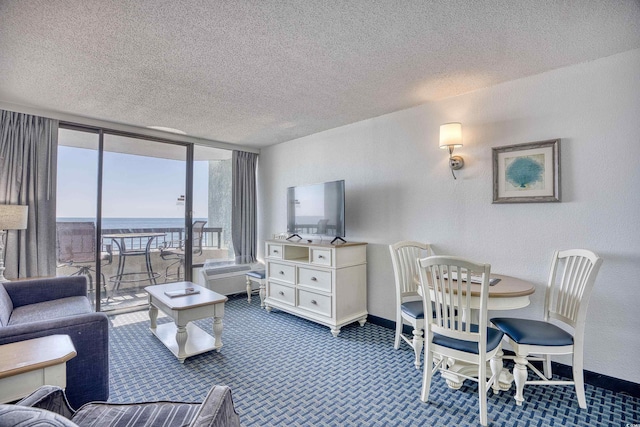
point(243, 208)
point(28, 156)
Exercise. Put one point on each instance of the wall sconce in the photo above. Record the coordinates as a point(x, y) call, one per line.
point(451, 137)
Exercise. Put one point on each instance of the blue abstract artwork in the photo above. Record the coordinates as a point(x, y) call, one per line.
point(525, 172)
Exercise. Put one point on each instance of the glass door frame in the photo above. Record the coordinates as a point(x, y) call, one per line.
point(188, 216)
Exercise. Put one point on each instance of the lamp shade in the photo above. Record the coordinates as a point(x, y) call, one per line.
point(13, 217)
point(451, 135)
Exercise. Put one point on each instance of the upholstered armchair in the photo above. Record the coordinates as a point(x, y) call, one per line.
point(48, 406)
point(42, 307)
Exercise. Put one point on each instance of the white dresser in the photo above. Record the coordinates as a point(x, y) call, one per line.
point(324, 283)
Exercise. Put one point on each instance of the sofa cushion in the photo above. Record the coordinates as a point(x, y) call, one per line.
point(6, 306)
point(217, 409)
point(48, 310)
point(12, 415)
point(144, 414)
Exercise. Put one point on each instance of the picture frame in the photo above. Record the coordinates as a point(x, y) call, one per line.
point(527, 173)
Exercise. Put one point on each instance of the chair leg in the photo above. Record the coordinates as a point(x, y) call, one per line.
point(396, 343)
point(104, 285)
point(578, 378)
point(90, 279)
point(520, 376)
point(482, 392)
point(248, 290)
point(426, 375)
point(496, 368)
point(418, 343)
point(546, 365)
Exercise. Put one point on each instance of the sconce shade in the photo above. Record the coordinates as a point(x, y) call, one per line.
point(13, 217)
point(451, 135)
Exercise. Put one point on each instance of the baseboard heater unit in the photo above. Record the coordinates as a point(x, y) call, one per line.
point(225, 277)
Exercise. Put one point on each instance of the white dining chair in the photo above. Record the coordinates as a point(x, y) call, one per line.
point(447, 333)
point(573, 274)
point(409, 309)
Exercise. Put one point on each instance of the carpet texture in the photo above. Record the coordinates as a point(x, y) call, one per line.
point(286, 371)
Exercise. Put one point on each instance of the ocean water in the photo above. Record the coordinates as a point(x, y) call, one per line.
point(124, 223)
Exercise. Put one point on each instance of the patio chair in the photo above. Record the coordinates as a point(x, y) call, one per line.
point(76, 248)
point(175, 250)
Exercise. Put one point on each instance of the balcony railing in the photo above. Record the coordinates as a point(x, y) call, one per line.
point(212, 237)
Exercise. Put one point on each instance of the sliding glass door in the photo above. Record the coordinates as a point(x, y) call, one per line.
point(133, 212)
point(76, 206)
point(144, 201)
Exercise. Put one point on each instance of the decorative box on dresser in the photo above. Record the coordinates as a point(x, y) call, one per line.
point(321, 282)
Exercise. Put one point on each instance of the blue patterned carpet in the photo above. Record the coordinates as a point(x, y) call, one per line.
point(285, 371)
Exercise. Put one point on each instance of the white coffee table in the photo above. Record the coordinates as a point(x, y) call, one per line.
point(182, 338)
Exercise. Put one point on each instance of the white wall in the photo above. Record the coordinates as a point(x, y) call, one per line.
point(399, 187)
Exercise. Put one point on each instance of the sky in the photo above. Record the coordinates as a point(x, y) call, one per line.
point(133, 186)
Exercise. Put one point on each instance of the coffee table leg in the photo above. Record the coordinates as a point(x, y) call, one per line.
point(181, 339)
point(153, 316)
point(217, 332)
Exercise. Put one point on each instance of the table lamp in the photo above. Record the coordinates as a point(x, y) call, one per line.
point(12, 217)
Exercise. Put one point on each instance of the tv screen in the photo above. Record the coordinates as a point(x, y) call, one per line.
point(316, 209)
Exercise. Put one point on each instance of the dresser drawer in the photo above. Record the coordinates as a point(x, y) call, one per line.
point(317, 279)
point(274, 251)
point(321, 257)
point(282, 293)
point(320, 304)
point(282, 272)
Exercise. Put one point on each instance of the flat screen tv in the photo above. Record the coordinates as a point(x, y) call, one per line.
point(316, 209)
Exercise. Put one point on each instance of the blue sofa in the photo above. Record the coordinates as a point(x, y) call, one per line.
point(42, 307)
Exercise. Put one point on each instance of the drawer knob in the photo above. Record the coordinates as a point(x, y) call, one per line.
point(281, 293)
point(314, 302)
point(281, 272)
point(320, 256)
point(275, 251)
point(313, 279)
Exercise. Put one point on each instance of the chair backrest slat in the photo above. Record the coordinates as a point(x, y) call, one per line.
point(403, 258)
point(567, 298)
point(449, 281)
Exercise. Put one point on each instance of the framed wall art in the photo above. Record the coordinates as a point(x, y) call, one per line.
point(527, 173)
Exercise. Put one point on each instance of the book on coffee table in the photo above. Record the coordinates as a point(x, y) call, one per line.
point(181, 292)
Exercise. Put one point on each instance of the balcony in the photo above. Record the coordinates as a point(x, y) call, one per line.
point(130, 293)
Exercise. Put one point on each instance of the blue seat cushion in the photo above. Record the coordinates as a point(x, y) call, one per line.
point(258, 274)
point(533, 332)
point(494, 337)
point(413, 309)
point(49, 310)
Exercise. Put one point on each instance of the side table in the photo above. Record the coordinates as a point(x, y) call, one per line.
point(27, 365)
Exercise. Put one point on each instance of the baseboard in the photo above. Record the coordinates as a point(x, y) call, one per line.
point(595, 379)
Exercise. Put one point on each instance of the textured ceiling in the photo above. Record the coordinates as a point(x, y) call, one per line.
point(260, 72)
